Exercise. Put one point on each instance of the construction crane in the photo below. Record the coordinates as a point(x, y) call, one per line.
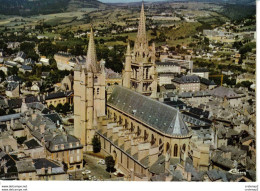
point(220, 75)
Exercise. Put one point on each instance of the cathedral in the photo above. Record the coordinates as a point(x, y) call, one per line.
point(143, 135)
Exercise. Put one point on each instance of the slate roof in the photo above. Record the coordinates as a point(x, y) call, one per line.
point(164, 118)
point(187, 79)
point(198, 70)
point(41, 163)
point(58, 95)
point(31, 99)
point(170, 86)
point(25, 166)
point(26, 67)
point(54, 117)
point(11, 86)
point(32, 144)
point(216, 175)
point(13, 78)
point(9, 117)
point(224, 92)
point(15, 103)
point(65, 140)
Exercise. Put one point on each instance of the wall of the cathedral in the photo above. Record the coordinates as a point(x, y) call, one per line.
point(148, 134)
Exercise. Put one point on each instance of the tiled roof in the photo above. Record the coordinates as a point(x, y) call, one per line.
point(165, 118)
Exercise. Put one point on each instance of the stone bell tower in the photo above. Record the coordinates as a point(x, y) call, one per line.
point(140, 70)
point(89, 95)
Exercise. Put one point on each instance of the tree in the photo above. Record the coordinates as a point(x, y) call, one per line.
point(96, 144)
point(2, 112)
point(51, 107)
point(65, 108)
point(2, 76)
point(58, 108)
point(110, 163)
point(11, 111)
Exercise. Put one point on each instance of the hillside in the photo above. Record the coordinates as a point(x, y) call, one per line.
point(36, 7)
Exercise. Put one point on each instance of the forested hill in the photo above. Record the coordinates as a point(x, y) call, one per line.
point(35, 7)
point(237, 2)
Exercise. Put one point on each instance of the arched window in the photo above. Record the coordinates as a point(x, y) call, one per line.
point(138, 131)
point(126, 123)
point(145, 135)
point(152, 139)
point(167, 147)
point(97, 91)
point(116, 83)
point(175, 153)
point(132, 127)
point(120, 119)
point(183, 147)
point(115, 117)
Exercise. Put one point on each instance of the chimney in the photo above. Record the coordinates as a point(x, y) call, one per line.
point(43, 170)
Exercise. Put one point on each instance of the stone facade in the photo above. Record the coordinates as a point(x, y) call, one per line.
point(89, 98)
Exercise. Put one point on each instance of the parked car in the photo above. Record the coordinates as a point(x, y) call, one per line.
point(102, 162)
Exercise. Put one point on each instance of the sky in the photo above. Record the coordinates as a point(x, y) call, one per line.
point(126, 1)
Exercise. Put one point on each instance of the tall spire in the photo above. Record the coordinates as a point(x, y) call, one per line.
point(128, 50)
point(141, 43)
point(141, 28)
point(91, 55)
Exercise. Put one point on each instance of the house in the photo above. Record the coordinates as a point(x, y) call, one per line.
point(201, 72)
point(25, 68)
point(49, 170)
point(167, 71)
point(67, 83)
point(35, 87)
point(59, 97)
point(20, 57)
point(12, 89)
point(66, 148)
point(8, 169)
point(33, 148)
point(26, 170)
point(45, 61)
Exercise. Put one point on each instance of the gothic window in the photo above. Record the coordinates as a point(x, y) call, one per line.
point(152, 140)
point(120, 120)
point(183, 147)
point(132, 127)
point(126, 123)
point(167, 147)
point(175, 150)
point(138, 131)
point(145, 135)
